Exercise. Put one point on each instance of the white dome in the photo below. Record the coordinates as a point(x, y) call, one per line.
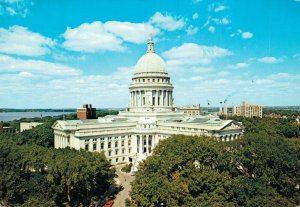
point(150, 63)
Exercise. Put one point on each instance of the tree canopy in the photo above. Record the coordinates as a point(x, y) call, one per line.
point(31, 174)
point(259, 170)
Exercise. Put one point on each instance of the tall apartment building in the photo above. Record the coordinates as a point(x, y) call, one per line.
point(86, 112)
point(247, 110)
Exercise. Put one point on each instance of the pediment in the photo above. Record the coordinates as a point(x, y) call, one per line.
point(57, 125)
point(232, 126)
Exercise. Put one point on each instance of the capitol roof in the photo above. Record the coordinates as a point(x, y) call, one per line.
point(150, 62)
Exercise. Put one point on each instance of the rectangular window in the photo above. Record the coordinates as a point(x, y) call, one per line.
point(129, 142)
point(87, 147)
point(116, 143)
point(94, 146)
point(109, 144)
point(109, 153)
point(117, 159)
point(123, 151)
point(102, 145)
point(122, 143)
point(116, 152)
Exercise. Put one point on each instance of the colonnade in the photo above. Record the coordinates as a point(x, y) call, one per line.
point(157, 98)
point(61, 141)
point(145, 141)
point(227, 138)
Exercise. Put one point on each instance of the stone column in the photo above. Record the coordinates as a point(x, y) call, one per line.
point(134, 98)
point(156, 98)
point(141, 144)
point(147, 144)
point(57, 139)
point(161, 98)
point(141, 98)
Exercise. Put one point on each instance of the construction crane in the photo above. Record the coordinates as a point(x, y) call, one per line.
point(223, 108)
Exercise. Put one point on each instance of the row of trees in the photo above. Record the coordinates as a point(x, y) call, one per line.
point(287, 128)
point(32, 175)
point(259, 170)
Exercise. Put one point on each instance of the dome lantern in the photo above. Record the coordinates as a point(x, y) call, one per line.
point(150, 44)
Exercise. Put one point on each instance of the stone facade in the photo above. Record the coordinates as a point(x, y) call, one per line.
point(151, 116)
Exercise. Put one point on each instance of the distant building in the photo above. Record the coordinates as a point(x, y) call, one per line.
point(191, 110)
point(28, 125)
point(6, 129)
point(86, 112)
point(247, 110)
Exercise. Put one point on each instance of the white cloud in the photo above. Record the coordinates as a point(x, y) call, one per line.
point(21, 41)
point(244, 35)
point(191, 30)
point(69, 91)
point(223, 73)
point(237, 66)
point(64, 57)
point(15, 7)
point(25, 74)
point(35, 67)
point(211, 29)
point(131, 32)
point(192, 54)
point(270, 60)
point(91, 37)
point(11, 11)
point(207, 22)
point(196, 78)
point(219, 8)
point(297, 55)
point(195, 16)
point(223, 21)
point(202, 69)
point(247, 35)
point(167, 21)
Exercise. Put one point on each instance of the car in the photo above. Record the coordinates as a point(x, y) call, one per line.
point(109, 203)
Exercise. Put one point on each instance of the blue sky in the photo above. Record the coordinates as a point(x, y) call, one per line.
point(61, 54)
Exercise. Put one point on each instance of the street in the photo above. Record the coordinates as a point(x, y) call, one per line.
point(125, 180)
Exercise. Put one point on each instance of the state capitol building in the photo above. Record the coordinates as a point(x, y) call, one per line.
point(151, 116)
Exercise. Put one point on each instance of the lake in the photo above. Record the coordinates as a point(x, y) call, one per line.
point(9, 116)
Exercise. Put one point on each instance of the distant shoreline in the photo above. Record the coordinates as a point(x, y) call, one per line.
point(3, 110)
